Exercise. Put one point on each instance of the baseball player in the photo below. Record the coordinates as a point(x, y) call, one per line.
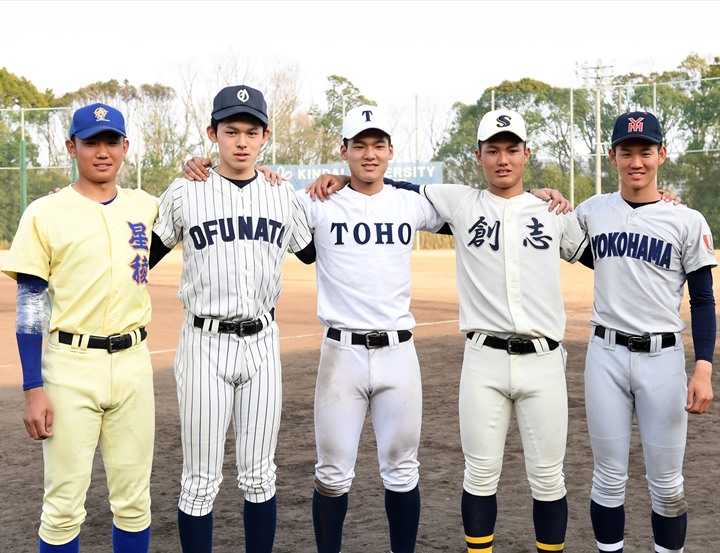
point(508, 250)
point(364, 240)
point(235, 232)
point(643, 251)
point(85, 249)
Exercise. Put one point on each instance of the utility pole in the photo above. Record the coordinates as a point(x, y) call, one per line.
point(598, 75)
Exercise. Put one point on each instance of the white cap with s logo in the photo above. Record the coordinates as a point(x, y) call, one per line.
point(501, 120)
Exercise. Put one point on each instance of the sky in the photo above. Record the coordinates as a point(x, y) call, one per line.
point(393, 51)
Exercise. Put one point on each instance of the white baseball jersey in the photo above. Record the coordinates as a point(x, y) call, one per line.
point(508, 276)
point(641, 258)
point(364, 244)
point(234, 242)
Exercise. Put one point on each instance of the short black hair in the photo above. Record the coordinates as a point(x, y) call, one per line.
point(246, 117)
point(650, 144)
point(346, 141)
point(505, 135)
point(73, 137)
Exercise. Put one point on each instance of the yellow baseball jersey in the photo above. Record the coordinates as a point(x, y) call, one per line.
point(94, 257)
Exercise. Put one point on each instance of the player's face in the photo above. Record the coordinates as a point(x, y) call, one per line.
point(503, 162)
point(239, 144)
point(367, 155)
point(637, 162)
point(99, 157)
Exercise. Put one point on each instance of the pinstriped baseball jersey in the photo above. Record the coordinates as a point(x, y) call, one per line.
point(641, 258)
point(234, 242)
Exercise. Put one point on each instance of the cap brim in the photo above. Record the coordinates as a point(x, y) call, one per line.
point(360, 131)
point(92, 131)
point(486, 138)
point(227, 112)
point(637, 136)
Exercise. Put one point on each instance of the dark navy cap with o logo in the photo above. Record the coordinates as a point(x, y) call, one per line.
point(232, 100)
point(637, 124)
point(94, 119)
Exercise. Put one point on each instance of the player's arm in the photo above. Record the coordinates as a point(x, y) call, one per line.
point(195, 169)
point(586, 257)
point(308, 254)
point(158, 250)
point(31, 324)
point(704, 328)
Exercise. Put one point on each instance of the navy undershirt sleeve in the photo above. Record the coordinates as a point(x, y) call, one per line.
point(308, 254)
point(158, 250)
point(30, 345)
point(403, 184)
point(702, 313)
point(445, 229)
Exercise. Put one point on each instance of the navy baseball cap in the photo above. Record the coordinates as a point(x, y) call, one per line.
point(96, 118)
point(239, 99)
point(637, 124)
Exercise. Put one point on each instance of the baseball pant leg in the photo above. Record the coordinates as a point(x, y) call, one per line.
point(396, 411)
point(205, 398)
point(256, 415)
point(609, 407)
point(540, 392)
point(341, 403)
point(127, 438)
point(74, 382)
point(662, 421)
point(485, 407)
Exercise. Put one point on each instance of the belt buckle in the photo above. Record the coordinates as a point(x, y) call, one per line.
point(514, 346)
point(373, 340)
point(111, 346)
point(637, 343)
point(246, 328)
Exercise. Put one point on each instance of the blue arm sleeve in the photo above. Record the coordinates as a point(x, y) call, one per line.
point(30, 328)
point(403, 184)
point(702, 313)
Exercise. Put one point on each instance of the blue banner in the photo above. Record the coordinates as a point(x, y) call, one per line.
point(418, 173)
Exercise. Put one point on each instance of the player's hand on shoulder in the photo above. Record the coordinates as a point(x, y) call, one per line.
point(700, 393)
point(271, 176)
point(558, 202)
point(667, 196)
point(195, 168)
point(51, 192)
point(38, 414)
point(325, 185)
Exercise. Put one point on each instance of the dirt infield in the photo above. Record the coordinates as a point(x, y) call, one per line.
point(439, 347)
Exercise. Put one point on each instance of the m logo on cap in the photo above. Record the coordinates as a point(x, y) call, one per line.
point(100, 114)
point(367, 114)
point(503, 121)
point(243, 95)
point(635, 125)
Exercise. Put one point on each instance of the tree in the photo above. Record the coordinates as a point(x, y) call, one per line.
point(341, 97)
point(457, 152)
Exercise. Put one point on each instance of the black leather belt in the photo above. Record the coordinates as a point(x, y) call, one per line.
point(636, 343)
point(514, 346)
point(116, 342)
point(241, 328)
point(371, 340)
